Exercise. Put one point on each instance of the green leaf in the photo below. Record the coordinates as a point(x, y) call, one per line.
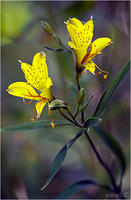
point(78, 186)
point(52, 49)
point(92, 121)
point(35, 125)
point(56, 165)
point(110, 90)
point(86, 103)
point(113, 145)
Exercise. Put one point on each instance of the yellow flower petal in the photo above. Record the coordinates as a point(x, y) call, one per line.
point(46, 93)
point(98, 45)
point(76, 22)
point(39, 107)
point(37, 74)
point(72, 45)
point(22, 89)
point(90, 66)
point(49, 82)
point(81, 36)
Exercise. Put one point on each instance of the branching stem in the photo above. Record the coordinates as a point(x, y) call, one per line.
point(80, 125)
point(67, 118)
point(114, 185)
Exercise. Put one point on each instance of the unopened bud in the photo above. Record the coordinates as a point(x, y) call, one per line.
point(56, 104)
point(47, 28)
point(81, 96)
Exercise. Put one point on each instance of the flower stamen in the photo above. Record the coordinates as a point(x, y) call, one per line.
point(28, 102)
point(101, 71)
point(52, 122)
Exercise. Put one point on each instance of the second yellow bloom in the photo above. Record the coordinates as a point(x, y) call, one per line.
point(81, 37)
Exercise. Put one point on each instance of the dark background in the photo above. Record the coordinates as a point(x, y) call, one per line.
point(27, 155)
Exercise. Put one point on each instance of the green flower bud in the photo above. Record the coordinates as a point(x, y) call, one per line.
point(56, 104)
point(47, 28)
point(81, 96)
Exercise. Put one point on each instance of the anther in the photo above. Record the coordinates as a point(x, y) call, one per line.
point(105, 76)
point(99, 73)
point(52, 125)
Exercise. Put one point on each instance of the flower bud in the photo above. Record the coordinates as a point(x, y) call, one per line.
point(81, 96)
point(47, 28)
point(56, 104)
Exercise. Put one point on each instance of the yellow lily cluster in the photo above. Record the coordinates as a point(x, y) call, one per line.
point(36, 75)
point(81, 37)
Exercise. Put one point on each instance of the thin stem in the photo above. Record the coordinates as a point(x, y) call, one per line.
point(82, 117)
point(78, 86)
point(116, 189)
point(78, 80)
point(77, 111)
point(67, 118)
point(80, 125)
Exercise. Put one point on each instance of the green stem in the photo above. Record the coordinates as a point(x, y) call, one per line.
point(77, 111)
point(115, 187)
point(67, 118)
point(80, 125)
point(78, 75)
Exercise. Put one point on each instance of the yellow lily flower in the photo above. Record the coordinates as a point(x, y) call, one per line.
point(36, 77)
point(81, 37)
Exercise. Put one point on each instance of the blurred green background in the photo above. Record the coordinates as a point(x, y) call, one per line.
point(27, 155)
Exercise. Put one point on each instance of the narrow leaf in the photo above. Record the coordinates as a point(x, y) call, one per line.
point(56, 165)
point(113, 145)
point(110, 90)
point(35, 125)
point(52, 49)
point(86, 103)
point(92, 121)
point(78, 186)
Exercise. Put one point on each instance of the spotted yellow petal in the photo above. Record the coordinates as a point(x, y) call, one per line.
point(76, 22)
point(22, 89)
point(37, 74)
point(98, 45)
point(49, 82)
point(72, 45)
point(81, 34)
point(46, 93)
point(90, 66)
point(39, 107)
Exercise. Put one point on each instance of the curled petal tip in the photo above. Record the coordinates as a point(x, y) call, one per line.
point(91, 17)
point(94, 73)
point(110, 43)
point(7, 90)
point(65, 22)
point(19, 61)
point(43, 53)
